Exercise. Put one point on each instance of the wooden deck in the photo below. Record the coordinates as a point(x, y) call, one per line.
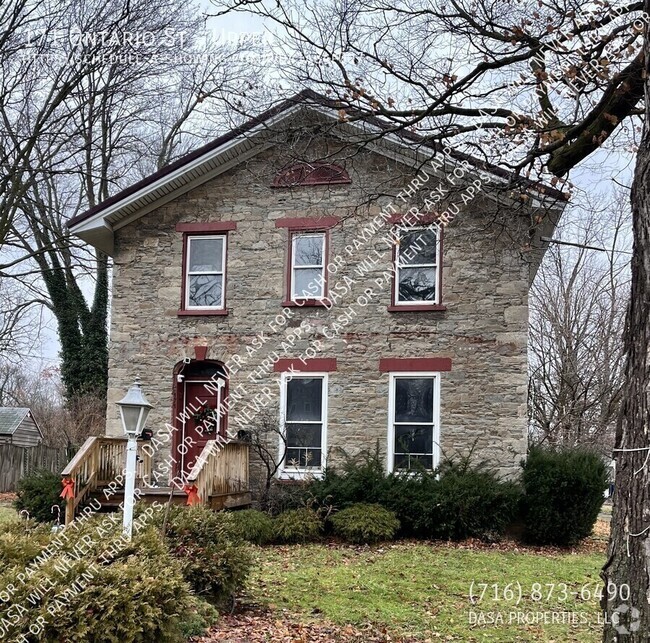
point(219, 479)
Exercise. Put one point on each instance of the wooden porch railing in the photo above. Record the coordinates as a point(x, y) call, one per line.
point(98, 463)
point(221, 470)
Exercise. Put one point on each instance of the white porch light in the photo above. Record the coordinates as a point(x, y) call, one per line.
point(134, 409)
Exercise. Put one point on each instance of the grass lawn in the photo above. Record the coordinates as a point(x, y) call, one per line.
point(408, 592)
point(421, 591)
point(7, 513)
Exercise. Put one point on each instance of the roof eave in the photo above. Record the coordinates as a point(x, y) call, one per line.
point(97, 226)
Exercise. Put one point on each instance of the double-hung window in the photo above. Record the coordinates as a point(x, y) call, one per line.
point(413, 431)
point(204, 272)
point(307, 266)
point(304, 418)
point(417, 262)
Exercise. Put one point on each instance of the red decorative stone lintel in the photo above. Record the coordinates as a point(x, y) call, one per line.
point(307, 223)
point(414, 364)
point(316, 365)
point(208, 226)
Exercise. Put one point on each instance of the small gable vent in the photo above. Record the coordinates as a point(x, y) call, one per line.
point(317, 173)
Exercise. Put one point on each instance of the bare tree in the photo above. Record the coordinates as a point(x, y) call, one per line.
point(272, 452)
point(577, 315)
point(64, 424)
point(269, 447)
point(95, 95)
point(536, 87)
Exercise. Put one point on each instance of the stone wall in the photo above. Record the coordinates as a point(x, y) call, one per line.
point(483, 330)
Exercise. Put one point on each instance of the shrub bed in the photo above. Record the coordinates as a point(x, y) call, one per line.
point(563, 493)
point(470, 502)
point(92, 586)
point(360, 480)
point(365, 524)
point(459, 500)
point(213, 558)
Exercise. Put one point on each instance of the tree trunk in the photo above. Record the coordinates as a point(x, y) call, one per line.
point(626, 597)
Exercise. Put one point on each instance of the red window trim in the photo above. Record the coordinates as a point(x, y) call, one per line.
point(306, 303)
point(311, 224)
point(414, 364)
point(208, 227)
point(417, 306)
point(216, 312)
point(316, 365)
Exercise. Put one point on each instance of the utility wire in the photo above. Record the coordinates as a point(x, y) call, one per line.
point(580, 245)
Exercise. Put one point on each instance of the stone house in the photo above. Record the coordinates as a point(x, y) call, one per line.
point(342, 290)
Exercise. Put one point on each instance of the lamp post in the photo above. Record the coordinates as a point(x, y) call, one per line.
point(134, 410)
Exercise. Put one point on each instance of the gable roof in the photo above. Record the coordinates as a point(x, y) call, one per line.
point(97, 224)
point(12, 417)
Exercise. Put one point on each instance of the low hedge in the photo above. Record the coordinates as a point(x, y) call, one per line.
point(253, 526)
point(459, 500)
point(365, 524)
point(297, 526)
point(469, 502)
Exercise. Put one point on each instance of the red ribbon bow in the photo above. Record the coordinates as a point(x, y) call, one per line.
point(192, 495)
point(68, 488)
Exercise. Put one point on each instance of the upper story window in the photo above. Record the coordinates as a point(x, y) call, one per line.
point(417, 265)
point(413, 432)
point(204, 272)
point(306, 277)
point(205, 246)
point(307, 266)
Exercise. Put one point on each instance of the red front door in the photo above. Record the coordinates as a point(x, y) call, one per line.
point(200, 420)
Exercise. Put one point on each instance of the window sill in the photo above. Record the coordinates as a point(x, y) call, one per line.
point(299, 476)
point(305, 303)
point(202, 313)
point(411, 473)
point(411, 308)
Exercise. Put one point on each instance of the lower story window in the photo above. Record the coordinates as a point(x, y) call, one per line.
point(413, 421)
point(304, 413)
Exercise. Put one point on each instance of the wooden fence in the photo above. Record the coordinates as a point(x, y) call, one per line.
point(17, 462)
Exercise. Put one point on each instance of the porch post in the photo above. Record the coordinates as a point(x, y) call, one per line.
point(129, 486)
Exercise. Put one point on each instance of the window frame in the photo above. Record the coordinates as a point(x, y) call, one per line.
point(422, 305)
point(314, 300)
point(390, 451)
point(286, 472)
point(188, 237)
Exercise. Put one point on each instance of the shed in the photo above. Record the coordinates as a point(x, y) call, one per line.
point(18, 427)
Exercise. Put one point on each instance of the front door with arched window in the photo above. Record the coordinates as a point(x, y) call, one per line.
point(199, 410)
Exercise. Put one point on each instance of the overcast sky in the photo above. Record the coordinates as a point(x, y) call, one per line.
point(598, 177)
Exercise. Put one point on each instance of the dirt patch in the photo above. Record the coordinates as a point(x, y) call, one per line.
point(7, 498)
